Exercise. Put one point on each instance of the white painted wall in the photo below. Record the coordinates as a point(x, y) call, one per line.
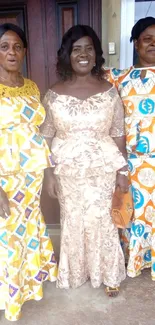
point(131, 12)
point(127, 22)
point(144, 9)
point(111, 24)
point(118, 18)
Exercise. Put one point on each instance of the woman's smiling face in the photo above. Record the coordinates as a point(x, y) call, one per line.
point(145, 46)
point(83, 56)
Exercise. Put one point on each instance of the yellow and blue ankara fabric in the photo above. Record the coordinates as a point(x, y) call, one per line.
point(26, 253)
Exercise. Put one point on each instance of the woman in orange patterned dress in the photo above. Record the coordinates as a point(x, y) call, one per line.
point(136, 86)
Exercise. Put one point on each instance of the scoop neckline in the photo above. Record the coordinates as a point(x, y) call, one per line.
point(87, 98)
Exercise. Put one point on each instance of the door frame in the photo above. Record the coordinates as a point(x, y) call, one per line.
point(127, 22)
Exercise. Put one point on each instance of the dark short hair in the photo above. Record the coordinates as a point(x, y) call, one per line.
point(140, 26)
point(8, 26)
point(64, 68)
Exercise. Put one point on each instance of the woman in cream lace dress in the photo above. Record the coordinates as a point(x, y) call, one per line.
point(84, 127)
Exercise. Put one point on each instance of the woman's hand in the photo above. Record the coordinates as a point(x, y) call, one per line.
point(4, 205)
point(50, 183)
point(123, 182)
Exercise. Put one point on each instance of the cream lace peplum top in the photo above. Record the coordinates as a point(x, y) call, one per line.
point(83, 132)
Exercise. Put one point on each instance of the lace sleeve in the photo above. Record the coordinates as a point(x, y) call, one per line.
point(118, 123)
point(47, 129)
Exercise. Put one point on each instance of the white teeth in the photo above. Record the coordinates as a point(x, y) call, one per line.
point(83, 62)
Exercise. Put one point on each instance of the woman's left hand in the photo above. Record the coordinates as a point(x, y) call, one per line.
point(123, 182)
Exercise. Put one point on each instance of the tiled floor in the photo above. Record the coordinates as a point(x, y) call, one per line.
point(87, 306)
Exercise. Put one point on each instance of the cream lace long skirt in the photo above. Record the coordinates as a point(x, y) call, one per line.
point(90, 246)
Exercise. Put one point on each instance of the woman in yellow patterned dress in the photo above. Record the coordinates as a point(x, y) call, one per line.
point(26, 252)
point(136, 86)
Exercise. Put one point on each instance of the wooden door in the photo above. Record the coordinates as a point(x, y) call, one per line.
point(15, 15)
point(60, 16)
point(45, 22)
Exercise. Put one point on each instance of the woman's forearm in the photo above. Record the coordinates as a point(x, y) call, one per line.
point(121, 144)
point(49, 142)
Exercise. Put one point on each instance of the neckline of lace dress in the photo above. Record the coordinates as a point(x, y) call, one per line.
point(87, 98)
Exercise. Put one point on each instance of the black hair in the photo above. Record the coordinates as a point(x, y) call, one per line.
point(64, 68)
point(8, 26)
point(140, 26)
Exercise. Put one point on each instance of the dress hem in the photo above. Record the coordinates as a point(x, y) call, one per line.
point(132, 274)
point(25, 300)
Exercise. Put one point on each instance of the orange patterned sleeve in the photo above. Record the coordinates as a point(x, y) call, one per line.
point(113, 75)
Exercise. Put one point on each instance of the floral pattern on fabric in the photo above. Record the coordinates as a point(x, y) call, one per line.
point(86, 159)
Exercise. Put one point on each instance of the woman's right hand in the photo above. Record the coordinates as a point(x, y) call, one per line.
point(4, 205)
point(50, 183)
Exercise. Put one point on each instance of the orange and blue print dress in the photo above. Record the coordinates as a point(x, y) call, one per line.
point(136, 87)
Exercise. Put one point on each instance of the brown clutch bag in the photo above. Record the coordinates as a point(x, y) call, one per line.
point(122, 208)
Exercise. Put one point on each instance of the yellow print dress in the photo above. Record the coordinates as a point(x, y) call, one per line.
point(137, 90)
point(26, 252)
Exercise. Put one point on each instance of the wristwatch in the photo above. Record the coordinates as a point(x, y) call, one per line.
point(123, 172)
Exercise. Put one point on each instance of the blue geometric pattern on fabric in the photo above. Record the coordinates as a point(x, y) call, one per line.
point(23, 159)
point(135, 74)
point(11, 128)
point(46, 233)
point(145, 80)
point(116, 72)
point(130, 165)
point(29, 180)
point(10, 253)
point(124, 83)
point(143, 145)
point(28, 112)
point(20, 230)
point(3, 182)
point(146, 235)
point(138, 230)
point(132, 156)
point(147, 256)
point(3, 238)
point(33, 244)
point(138, 198)
point(153, 267)
point(38, 139)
